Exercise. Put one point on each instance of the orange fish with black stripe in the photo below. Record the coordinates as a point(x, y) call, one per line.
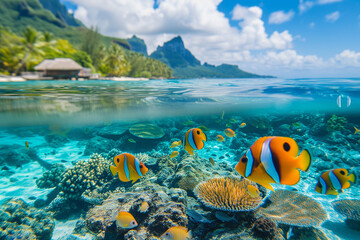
point(193, 140)
point(333, 181)
point(274, 160)
point(128, 167)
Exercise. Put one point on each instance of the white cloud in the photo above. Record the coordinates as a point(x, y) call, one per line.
point(312, 25)
point(281, 17)
point(348, 58)
point(321, 2)
point(306, 5)
point(332, 17)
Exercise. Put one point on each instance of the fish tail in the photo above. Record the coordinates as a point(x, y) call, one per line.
point(113, 170)
point(304, 160)
point(332, 192)
point(356, 130)
point(352, 178)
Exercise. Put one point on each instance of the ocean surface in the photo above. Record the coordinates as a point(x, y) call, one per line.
point(49, 128)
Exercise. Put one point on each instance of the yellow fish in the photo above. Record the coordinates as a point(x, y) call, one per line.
point(144, 207)
point(356, 130)
point(211, 160)
point(203, 128)
point(243, 125)
point(253, 191)
point(174, 154)
point(175, 144)
point(27, 145)
point(220, 138)
point(128, 167)
point(274, 160)
point(229, 132)
point(125, 220)
point(333, 180)
point(131, 140)
point(176, 233)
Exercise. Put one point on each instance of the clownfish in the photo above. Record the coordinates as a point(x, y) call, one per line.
point(177, 233)
point(128, 167)
point(274, 160)
point(229, 132)
point(333, 180)
point(193, 140)
point(125, 220)
point(220, 138)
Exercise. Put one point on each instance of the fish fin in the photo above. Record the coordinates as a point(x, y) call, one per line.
point(113, 170)
point(304, 160)
point(332, 192)
point(352, 178)
point(266, 185)
point(346, 185)
point(134, 180)
point(189, 234)
point(189, 150)
point(356, 130)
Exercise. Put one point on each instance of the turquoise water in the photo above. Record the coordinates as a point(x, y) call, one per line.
point(65, 122)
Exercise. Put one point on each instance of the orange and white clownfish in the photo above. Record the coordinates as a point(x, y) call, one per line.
point(128, 167)
point(274, 160)
point(193, 140)
point(333, 180)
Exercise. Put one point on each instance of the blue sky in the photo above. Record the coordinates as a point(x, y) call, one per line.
point(294, 38)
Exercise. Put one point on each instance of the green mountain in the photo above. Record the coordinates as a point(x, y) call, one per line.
point(18, 14)
point(60, 12)
point(137, 45)
point(185, 65)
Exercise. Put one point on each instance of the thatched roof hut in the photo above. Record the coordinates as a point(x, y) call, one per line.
point(59, 68)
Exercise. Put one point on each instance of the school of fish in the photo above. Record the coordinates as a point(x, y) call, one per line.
point(270, 160)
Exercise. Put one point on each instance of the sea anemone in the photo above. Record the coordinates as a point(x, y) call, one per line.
point(227, 194)
point(351, 210)
point(293, 209)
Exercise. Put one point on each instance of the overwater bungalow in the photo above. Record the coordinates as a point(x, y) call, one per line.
point(59, 68)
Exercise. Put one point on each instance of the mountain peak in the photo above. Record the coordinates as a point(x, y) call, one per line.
point(174, 54)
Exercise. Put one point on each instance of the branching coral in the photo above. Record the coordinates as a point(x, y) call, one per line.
point(228, 194)
point(52, 177)
point(351, 210)
point(294, 209)
point(84, 176)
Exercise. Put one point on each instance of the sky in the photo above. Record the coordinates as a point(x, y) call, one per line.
point(284, 38)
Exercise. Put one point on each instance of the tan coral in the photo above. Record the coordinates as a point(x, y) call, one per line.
point(227, 194)
point(294, 209)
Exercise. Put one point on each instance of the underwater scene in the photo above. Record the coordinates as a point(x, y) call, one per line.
point(262, 158)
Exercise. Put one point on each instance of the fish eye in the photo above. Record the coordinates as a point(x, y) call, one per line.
point(318, 185)
point(118, 160)
point(167, 234)
point(133, 223)
point(141, 166)
point(342, 172)
point(198, 132)
point(286, 146)
point(244, 160)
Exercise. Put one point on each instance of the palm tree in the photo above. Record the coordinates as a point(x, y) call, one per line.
point(31, 45)
point(114, 62)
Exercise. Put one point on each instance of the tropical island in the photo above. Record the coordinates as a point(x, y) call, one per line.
point(33, 32)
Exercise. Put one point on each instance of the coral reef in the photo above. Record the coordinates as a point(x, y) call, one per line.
point(99, 144)
point(351, 210)
point(85, 176)
point(228, 194)
point(264, 228)
point(166, 209)
point(147, 131)
point(14, 155)
point(335, 123)
point(293, 209)
point(52, 177)
point(18, 220)
point(55, 140)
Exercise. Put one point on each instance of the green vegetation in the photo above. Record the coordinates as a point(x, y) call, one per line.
point(23, 52)
point(137, 45)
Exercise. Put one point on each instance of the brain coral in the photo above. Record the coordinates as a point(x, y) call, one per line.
point(294, 209)
point(148, 131)
point(351, 210)
point(227, 194)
